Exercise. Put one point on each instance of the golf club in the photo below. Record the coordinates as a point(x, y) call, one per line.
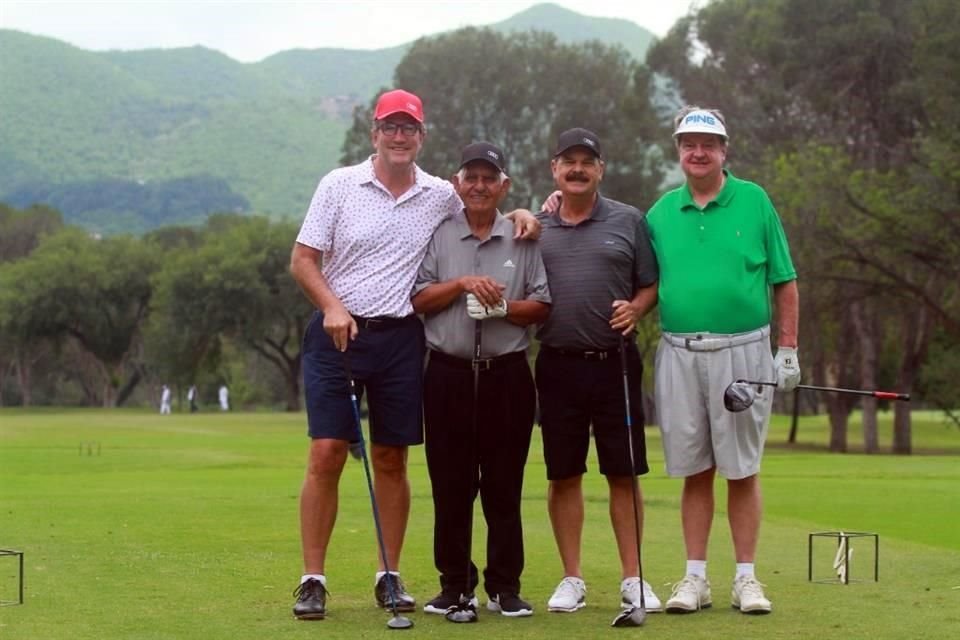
point(464, 611)
point(634, 616)
point(397, 621)
point(739, 396)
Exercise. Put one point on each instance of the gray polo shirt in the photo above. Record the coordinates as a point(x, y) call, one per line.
point(606, 257)
point(453, 252)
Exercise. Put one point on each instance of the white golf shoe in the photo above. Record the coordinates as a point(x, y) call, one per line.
point(689, 595)
point(747, 595)
point(630, 590)
point(570, 595)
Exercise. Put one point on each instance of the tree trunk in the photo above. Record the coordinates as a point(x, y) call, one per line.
point(866, 328)
point(838, 413)
point(902, 429)
point(24, 370)
point(841, 373)
point(293, 383)
point(124, 394)
point(111, 380)
point(4, 371)
point(293, 394)
point(917, 332)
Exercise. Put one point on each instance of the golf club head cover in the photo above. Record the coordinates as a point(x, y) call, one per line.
point(787, 364)
point(477, 310)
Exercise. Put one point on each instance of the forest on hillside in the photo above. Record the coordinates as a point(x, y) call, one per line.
point(111, 138)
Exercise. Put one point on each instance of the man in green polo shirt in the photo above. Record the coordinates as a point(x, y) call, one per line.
point(720, 248)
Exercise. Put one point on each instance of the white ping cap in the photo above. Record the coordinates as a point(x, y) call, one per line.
point(701, 121)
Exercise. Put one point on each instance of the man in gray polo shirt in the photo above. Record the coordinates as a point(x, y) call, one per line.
point(603, 277)
point(475, 271)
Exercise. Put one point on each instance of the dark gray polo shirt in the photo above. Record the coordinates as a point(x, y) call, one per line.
point(606, 257)
point(453, 252)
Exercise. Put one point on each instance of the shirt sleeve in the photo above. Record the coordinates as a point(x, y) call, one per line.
point(646, 271)
point(454, 204)
point(536, 287)
point(779, 263)
point(317, 228)
point(427, 274)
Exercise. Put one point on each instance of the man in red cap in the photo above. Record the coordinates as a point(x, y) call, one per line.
point(369, 226)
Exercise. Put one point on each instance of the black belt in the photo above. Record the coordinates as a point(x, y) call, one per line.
point(380, 323)
point(594, 354)
point(486, 364)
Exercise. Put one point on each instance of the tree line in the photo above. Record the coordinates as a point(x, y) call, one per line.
point(86, 320)
point(843, 109)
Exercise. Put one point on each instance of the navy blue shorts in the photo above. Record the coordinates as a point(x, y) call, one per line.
point(386, 361)
point(577, 394)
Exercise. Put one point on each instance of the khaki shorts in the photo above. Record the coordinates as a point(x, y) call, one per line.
point(692, 371)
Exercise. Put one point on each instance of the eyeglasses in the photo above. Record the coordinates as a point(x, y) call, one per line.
point(391, 128)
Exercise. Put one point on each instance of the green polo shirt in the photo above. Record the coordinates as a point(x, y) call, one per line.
point(717, 263)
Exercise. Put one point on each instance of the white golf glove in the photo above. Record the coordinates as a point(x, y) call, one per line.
point(477, 311)
point(787, 365)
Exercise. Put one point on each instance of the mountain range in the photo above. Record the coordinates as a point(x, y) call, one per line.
point(126, 141)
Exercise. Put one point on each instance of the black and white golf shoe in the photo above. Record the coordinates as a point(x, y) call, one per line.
point(381, 593)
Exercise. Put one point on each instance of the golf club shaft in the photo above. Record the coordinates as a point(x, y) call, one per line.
point(373, 498)
point(633, 477)
point(882, 395)
point(477, 346)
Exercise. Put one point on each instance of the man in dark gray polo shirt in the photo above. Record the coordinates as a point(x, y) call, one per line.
point(473, 271)
point(603, 278)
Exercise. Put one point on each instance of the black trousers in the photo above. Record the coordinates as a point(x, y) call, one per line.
point(489, 461)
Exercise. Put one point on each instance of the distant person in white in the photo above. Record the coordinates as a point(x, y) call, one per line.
point(165, 400)
point(224, 398)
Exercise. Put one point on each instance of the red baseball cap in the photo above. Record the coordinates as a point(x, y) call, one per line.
point(399, 101)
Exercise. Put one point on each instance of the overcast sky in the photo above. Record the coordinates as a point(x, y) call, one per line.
point(250, 31)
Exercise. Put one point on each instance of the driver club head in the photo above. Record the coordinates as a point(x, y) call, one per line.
point(632, 617)
point(739, 396)
point(399, 622)
point(463, 613)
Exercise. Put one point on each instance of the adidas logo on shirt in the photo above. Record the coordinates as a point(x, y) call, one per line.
point(509, 263)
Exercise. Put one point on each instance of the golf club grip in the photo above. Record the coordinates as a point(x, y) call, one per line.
point(889, 395)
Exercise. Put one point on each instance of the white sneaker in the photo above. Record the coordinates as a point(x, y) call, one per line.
point(569, 595)
point(630, 590)
point(747, 595)
point(689, 595)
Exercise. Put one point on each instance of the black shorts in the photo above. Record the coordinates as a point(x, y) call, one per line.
point(576, 393)
point(386, 361)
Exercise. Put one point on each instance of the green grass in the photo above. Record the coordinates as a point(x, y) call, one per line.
point(186, 527)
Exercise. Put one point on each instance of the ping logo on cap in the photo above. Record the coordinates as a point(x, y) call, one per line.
point(703, 118)
point(588, 141)
point(701, 121)
point(412, 107)
point(493, 154)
